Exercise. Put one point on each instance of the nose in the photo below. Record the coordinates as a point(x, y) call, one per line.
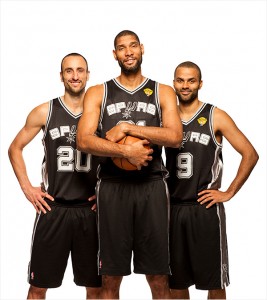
point(128, 51)
point(185, 85)
point(75, 75)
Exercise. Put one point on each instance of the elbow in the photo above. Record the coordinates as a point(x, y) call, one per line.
point(176, 141)
point(255, 157)
point(10, 152)
point(83, 143)
point(80, 144)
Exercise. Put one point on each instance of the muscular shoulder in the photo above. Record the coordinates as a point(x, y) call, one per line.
point(94, 94)
point(167, 96)
point(164, 88)
point(222, 121)
point(39, 114)
point(96, 89)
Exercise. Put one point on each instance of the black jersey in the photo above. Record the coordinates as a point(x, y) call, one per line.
point(197, 164)
point(68, 174)
point(139, 107)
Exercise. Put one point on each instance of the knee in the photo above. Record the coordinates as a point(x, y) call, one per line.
point(157, 282)
point(111, 282)
point(93, 293)
point(36, 292)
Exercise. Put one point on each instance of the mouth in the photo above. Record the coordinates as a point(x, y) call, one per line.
point(129, 61)
point(75, 83)
point(185, 93)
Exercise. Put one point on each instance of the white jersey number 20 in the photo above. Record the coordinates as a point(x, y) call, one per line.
point(70, 159)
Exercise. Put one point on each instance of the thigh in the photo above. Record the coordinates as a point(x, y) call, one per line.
point(85, 247)
point(151, 227)
point(209, 254)
point(181, 269)
point(51, 242)
point(115, 228)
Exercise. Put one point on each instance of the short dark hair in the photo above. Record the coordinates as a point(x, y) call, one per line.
point(189, 64)
point(124, 33)
point(74, 54)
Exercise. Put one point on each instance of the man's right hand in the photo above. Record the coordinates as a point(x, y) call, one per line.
point(138, 154)
point(36, 196)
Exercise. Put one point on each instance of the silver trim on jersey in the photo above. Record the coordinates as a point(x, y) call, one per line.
point(67, 110)
point(50, 108)
point(223, 245)
point(43, 167)
point(216, 170)
point(103, 104)
point(98, 226)
point(157, 100)
point(168, 225)
point(128, 91)
point(212, 128)
point(195, 115)
point(33, 236)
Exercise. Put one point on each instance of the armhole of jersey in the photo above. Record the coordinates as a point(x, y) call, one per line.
point(211, 127)
point(157, 99)
point(48, 118)
point(104, 99)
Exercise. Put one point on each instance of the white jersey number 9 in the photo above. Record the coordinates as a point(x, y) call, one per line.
point(184, 165)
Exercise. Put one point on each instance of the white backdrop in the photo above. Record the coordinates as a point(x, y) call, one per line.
point(227, 39)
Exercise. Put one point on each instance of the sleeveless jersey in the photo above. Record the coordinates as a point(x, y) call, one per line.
point(68, 174)
point(139, 107)
point(197, 164)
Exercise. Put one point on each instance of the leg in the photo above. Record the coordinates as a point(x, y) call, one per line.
point(93, 293)
point(159, 286)
point(217, 294)
point(180, 294)
point(110, 287)
point(36, 292)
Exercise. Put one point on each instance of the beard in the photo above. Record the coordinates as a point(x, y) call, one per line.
point(187, 99)
point(130, 70)
point(75, 92)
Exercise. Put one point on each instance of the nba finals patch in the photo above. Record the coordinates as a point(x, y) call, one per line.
point(148, 92)
point(202, 121)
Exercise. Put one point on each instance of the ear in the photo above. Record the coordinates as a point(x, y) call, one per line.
point(200, 85)
point(61, 76)
point(88, 76)
point(142, 49)
point(114, 54)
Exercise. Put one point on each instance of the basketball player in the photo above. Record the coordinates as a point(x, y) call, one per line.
point(198, 244)
point(67, 224)
point(132, 205)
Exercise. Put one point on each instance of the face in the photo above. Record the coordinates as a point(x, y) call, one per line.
point(186, 84)
point(74, 75)
point(129, 53)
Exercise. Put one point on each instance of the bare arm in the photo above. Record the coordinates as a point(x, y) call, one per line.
point(225, 126)
point(87, 141)
point(35, 121)
point(169, 135)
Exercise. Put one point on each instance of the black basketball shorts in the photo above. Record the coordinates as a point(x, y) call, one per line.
point(198, 247)
point(63, 230)
point(133, 217)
